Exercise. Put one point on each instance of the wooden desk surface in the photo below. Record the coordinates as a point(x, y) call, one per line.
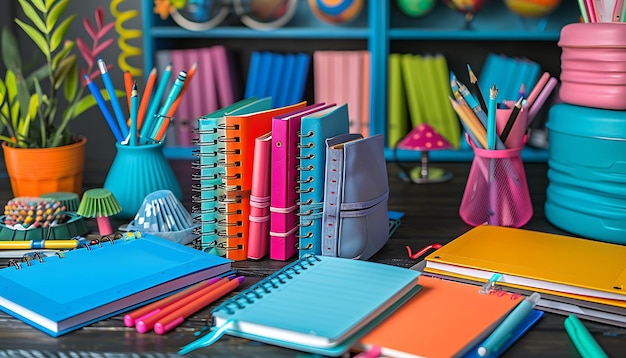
point(431, 215)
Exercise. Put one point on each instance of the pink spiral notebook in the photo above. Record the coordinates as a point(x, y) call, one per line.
point(284, 198)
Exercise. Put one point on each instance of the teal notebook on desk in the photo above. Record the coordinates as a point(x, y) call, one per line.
point(316, 304)
point(59, 294)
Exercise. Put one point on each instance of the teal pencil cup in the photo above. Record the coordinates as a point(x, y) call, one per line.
point(136, 172)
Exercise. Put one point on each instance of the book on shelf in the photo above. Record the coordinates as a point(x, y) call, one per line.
point(341, 77)
point(236, 140)
point(206, 178)
point(282, 76)
point(315, 304)
point(227, 79)
point(284, 182)
point(446, 319)
point(397, 119)
point(260, 194)
point(315, 128)
point(47, 293)
point(582, 274)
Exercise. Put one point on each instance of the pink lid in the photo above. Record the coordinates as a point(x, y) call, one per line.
point(597, 34)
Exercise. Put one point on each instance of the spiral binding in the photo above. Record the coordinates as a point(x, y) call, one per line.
point(271, 282)
point(303, 168)
point(205, 187)
point(28, 257)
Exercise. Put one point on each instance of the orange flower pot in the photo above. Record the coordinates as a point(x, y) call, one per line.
point(36, 171)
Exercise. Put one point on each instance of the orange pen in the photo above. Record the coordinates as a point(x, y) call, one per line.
point(143, 106)
point(144, 324)
point(177, 317)
point(156, 306)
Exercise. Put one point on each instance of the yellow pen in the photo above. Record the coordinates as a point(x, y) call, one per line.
point(41, 244)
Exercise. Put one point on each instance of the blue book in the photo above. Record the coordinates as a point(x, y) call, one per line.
point(253, 74)
point(332, 298)
point(314, 129)
point(59, 294)
point(299, 79)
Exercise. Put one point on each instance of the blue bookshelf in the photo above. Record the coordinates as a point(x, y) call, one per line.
point(380, 25)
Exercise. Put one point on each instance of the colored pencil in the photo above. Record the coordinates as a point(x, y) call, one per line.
point(511, 120)
point(155, 102)
point(95, 92)
point(145, 99)
point(128, 86)
point(117, 109)
point(532, 96)
point(134, 107)
point(477, 92)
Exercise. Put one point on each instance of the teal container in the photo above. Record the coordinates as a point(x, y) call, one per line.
point(137, 171)
point(586, 192)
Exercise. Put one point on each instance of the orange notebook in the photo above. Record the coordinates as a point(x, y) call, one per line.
point(444, 319)
point(237, 137)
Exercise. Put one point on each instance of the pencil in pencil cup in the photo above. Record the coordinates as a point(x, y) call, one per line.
point(511, 126)
point(506, 204)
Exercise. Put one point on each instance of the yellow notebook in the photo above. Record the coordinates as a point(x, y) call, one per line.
point(561, 265)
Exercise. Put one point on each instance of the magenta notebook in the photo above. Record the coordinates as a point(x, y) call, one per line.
point(284, 173)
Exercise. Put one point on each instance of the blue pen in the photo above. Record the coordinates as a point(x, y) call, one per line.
point(146, 127)
point(491, 119)
point(95, 92)
point(508, 325)
point(117, 109)
point(171, 97)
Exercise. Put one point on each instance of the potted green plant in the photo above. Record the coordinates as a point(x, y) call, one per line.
point(38, 103)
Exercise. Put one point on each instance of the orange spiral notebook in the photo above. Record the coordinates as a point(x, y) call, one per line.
point(236, 140)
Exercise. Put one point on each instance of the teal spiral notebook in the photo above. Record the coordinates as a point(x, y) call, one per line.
point(317, 304)
point(59, 294)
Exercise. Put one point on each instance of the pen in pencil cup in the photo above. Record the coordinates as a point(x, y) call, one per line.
point(134, 107)
point(117, 109)
point(177, 86)
point(510, 322)
point(95, 92)
point(155, 102)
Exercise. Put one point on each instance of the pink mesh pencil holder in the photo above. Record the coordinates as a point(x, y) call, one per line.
point(496, 192)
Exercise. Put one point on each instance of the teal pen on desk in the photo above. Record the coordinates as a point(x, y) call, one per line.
point(508, 325)
point(583, 340)
point(155, 102)
point(117, 109)
point(171, 97)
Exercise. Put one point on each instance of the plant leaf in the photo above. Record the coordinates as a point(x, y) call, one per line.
point(33, 16)
point(40, 5)
point(71, 83)
point(89, 28)
point(60, 32)
point(68, 45)
point(106, 28)
point(99, 16)
point(55, 13)
point(63, 70)
point(10, 51)
point(36, 36)
point(102, 46)
point(85, 52)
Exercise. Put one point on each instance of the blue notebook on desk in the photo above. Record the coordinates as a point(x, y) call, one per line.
point(59, 294)
point(316, 304)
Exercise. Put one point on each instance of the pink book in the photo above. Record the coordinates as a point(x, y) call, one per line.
point(353, 82)
point(182, 61)
point(365, 95)
point(259, 227)
point(284, 173)
point(226, 79)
